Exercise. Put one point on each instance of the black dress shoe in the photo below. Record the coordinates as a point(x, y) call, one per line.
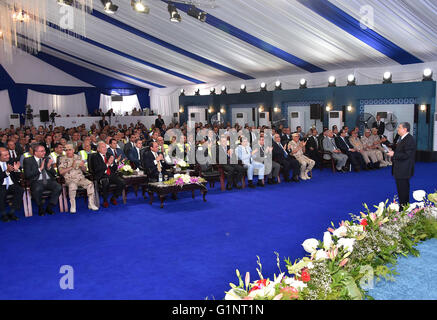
point(251, 185)
point(269, 181)
point(295, 179)
point(50, 211)
point(5, 218)
point(238, 187)
point(228, 187)
point(13, 217)
point(260, 184)
point(41, 211)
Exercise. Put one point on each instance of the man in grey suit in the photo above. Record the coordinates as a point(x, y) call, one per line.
point(339, 157)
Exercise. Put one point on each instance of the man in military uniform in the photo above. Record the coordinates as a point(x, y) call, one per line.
point(297, 149)
point(72, 167)
point(368, 143)
point(377, 141)
point(367, 154)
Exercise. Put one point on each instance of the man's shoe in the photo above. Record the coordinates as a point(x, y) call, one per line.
point(228, 187)
point(238, 187)
point(251, 185)
point(114, 201)
point(92, 207)
point(41, 211)
point(295, 179)
point(260, 183)
point(105, 204)
point(50, 211)
point(5, 218)
point(13, 217)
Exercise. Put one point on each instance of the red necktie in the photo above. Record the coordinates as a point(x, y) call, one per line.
point(108, 171)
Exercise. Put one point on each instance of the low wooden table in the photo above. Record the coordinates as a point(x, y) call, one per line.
point(163, 190)
point(135, 181)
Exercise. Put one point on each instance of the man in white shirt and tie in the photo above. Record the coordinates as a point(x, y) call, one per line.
point(9, 184)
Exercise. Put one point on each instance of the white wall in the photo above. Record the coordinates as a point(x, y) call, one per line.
point(246, 109)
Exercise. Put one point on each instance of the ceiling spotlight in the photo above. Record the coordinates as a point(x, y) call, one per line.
point(212, 91)
point(351, 80)
point(427, 74)
point(263, 86)
point(174, 14)
point(302, 84)
point(196, 13)
point(278, 85)
point(331, 81)
point(387, 78)
point(65, 2)
point(243, 88)
point(109, 7)
point(182, 92)
point(139, 6)
point(1, 34)
point(197, 93)
point(223, 90)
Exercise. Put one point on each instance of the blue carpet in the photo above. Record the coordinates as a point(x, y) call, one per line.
point(189, 249)
point(416, 279)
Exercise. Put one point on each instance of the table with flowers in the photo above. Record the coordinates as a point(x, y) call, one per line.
point(179, 183)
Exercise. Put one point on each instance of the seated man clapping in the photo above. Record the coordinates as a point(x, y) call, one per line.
point(244, 153)
point(72, 168)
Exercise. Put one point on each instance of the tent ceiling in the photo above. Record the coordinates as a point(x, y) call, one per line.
point(241, 40)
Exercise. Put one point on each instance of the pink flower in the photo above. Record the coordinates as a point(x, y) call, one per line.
point(343, 262)
point(331, 230)
point(179, 182)
point(194, 180)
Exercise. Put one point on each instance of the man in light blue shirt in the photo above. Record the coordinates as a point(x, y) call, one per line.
point(244, 153)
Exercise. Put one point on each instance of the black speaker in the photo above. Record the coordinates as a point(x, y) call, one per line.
point(44, 115)
point(315, 110)
point(416, 113)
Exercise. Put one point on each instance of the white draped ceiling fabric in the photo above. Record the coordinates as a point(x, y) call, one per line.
point(62, 104)
point(149, 51)
point(6, 108)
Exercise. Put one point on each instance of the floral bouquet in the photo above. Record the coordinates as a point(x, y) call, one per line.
point(183, 179)
point(125, 168)
point(351, 257)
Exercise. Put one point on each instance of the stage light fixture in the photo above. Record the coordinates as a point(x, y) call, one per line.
point(349, 108)
point(182, 92)
point(1, 34)
point(278, 85)
point(197, 13)
point(302, 84)
point(332, 81)
point(328, 108)
point(351, 80)
point(222, 110)
point(243, 88)
point(197, 93)
point(427, 74)
point(212, 91)
point(423, 107)
point(387, 78)
point(223, 90)
point(139, 6)
point(181, 109)
point(65, 2)
point(276, 109)
point(109, 7)
point(261, 109)
point(263, 87)
point(174, 14)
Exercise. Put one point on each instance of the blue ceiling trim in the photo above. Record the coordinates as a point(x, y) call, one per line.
point(5, 78)
point(169, 46)
point(352, 26)
point(254, 41)
point(102, 67)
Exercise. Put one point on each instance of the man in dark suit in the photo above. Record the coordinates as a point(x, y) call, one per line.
point(135, 153)
point(403, 159)
point(39, 170)
point(286, 161)
point(313, 147)
point(226, 157)
point(14, 155)
point(153, 162)
point(9, 184)
point(347, 148)
point(115, 150)
point(380, 125)
point(104, 169)
point(159, 122)
point(286, 136)
point(103, 122)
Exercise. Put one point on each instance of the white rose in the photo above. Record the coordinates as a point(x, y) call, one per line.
point(394, 207)
point(348, 244)
point(340, 232)
point(419, 195)
point(299, 285)
point(321, 255)
point(327, 240)
point(357, 229)
point(380, 209)
point(310, 245)
point(268, 291)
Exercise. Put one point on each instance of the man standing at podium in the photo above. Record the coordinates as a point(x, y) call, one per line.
point(403, 162)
